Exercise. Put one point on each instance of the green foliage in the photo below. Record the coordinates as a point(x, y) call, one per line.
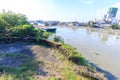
point(24, 31)
point(53, 78)
point(58, 39)
point(29, 31)
point(46, 35)
point(70, 49)
point(8, 20)
point(16, 25)
point(14, 19)
point(74, 55)
point(70, 75)
point(115, 26)
point(3, 27)
point(90, 24)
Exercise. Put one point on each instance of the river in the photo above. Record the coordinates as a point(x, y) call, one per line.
point(99, 48)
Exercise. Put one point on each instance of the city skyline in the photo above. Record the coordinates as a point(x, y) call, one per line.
point(61, 10)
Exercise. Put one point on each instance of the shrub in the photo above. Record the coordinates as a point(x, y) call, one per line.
point(13, 19)
point(16, 25)
point(3, 27)
point(23, 31)
point(74, 55)
point(58, 39)
point(115, 26)
point(29, 31)
point(46, 35)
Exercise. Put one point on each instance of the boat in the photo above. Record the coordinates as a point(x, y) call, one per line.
point(46, 28)
point(49, 29)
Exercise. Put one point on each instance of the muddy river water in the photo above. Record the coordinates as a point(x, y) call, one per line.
point(97, 47)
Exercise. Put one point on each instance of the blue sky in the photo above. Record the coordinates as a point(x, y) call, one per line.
point(62, 10)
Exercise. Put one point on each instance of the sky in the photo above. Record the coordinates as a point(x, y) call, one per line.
point(61, 10)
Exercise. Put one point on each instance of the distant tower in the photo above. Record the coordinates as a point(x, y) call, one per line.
point(111, 14)
point(105, 17)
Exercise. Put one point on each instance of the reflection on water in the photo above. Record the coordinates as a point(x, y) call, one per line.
point(89, 41)
point(116, 36)
point(79, 34)
point(113, 41)
point(103, 36)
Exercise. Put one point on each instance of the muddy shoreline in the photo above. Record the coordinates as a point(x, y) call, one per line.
point(109, 31)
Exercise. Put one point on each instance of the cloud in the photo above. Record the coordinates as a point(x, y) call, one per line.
point(88, 1)
point(101, 12)
point(34, 9)
point(117, 5)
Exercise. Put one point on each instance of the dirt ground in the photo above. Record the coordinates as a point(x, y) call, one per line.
point(50, 62)
point(47, 57)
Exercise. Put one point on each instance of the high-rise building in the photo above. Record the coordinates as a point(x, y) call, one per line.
point(111, 14)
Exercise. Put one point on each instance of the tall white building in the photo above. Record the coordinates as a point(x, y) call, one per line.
point(111, 14)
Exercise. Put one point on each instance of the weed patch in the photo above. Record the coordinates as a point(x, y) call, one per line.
point(25, 71)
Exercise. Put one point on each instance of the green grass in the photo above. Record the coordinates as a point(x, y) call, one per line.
point(25, 71)
point(53, 78)
point(68, 72)
point(74, 55)
point(66, 69)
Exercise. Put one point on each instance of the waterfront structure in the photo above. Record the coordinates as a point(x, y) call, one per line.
point(44, 23)
point(52, 23)
point(75, 23)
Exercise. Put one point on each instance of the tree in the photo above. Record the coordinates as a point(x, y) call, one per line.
point(90, 24)
point(9, 20)
point(115, 26)
point(3, 26)
point(13, 19)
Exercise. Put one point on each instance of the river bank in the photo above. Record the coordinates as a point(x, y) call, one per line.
point(109, 31)
point(96, 45)
point(50, 63)
point(38, 63)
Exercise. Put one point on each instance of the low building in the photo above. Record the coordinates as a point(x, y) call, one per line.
point(76, 24)
point(52, 23)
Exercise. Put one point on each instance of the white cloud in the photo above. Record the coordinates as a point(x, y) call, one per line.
point(117, 5)
point(101, 12)
point(22, 6)
point(88, 1)
point(34, 9)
